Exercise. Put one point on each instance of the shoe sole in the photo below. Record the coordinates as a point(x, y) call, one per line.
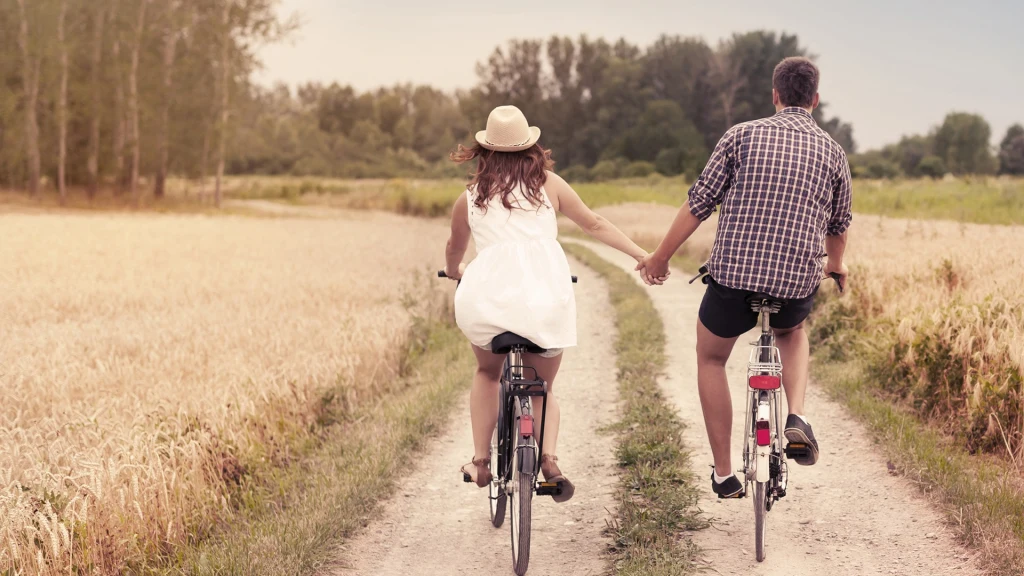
point(567, 489)
point(796, 435)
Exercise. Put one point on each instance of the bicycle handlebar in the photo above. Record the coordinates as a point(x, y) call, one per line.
point(441, 274)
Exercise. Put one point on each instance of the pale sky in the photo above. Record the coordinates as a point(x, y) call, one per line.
point(890, 67)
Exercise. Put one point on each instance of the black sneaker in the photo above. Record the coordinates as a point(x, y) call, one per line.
point(730, 488)
point(802, 447)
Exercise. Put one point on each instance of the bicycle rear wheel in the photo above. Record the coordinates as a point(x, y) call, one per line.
point(521, 500)
point(760, 517)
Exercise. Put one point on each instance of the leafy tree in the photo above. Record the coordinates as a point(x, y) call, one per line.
point(1011, 151)
point(962, 141)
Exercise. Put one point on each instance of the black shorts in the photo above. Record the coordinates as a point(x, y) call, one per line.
point(726, 313)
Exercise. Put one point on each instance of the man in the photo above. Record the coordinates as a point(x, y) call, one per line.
point(784, 189)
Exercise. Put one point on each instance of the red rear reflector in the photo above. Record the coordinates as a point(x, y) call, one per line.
point(765, 382)
point(526, 426)
point(764, 436)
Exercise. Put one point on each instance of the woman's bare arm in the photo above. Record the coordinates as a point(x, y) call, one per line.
point(568, 202)
point(458, 242)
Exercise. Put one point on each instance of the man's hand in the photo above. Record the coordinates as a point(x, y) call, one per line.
point(653, 270)
point(840, 269)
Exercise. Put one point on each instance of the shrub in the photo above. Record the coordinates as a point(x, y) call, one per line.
point(607, 169)
point(576, 173)
point(638, 169)
point(931, 166)
point(669, 162)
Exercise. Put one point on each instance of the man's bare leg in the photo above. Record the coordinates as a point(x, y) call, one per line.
point(715, 400)
point(795, 350)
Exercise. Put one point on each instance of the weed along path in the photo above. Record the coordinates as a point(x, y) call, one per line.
point(844, 516)
point(435, 524)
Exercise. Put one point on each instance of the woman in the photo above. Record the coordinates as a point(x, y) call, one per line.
point(520, 280)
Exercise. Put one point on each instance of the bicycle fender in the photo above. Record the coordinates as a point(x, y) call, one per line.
point(527, 459)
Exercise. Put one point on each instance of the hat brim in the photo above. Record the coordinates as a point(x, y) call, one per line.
point(481, 138)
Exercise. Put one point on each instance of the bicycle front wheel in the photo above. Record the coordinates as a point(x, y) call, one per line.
point(760, 517)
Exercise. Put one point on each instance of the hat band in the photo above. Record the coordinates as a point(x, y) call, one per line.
point(523, 143)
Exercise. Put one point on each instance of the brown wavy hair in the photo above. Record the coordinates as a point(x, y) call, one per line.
point(498, 173)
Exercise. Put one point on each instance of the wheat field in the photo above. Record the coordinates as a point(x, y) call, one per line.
point(151, 364)
point(942, 307)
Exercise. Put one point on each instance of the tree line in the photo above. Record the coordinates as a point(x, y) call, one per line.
point(960, 146)
point(607, 109)
point(102, 92)
point(123, 93)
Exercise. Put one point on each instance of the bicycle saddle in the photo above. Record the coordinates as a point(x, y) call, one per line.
point(503, 343)
point(758, 301)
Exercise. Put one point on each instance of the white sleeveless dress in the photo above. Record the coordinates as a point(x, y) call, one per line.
point(520, 280)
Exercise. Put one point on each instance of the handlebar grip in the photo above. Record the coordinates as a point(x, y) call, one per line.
point(835, 276)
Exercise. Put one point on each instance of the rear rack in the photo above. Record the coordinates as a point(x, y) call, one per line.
point(756, 366)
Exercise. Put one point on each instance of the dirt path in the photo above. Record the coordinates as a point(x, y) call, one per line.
point(845, 515)
point(435, 524)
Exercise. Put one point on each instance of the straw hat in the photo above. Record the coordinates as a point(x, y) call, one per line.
point(508, 131)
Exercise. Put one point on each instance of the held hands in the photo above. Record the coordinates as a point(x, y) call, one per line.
point(653, 270)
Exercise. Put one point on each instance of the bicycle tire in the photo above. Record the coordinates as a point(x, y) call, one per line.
point(501, 441)
point(760, 518)
point(521, 500)
point(497, 498)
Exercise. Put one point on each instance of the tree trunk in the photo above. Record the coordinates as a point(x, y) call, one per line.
point(204, 164)
point(170, 44)
point(119, 123)
point(31, 94)
point(62, 107)
point(225, 66)
point(133, 103)
point(97, 102)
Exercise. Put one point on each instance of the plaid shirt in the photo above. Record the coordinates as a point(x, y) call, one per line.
point(783, 184)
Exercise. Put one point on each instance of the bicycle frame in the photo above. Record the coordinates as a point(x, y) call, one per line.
point(518, 385)
point(763, 455)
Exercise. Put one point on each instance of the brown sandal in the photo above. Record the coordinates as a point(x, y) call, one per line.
point(549, 466)
point(482, 480)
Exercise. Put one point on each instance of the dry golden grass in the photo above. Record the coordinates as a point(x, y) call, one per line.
point(943, 303)
point(150, 365)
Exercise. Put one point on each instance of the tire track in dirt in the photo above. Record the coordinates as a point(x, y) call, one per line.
point(436, 524)
point(845, 515)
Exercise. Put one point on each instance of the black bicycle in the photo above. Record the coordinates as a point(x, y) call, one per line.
point(515, 445)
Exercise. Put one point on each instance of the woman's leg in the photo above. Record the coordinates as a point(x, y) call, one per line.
point(547, 369)
point(483, 399)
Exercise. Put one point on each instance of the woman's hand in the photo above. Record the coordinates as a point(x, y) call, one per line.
point(455, 274)
point(653, 271)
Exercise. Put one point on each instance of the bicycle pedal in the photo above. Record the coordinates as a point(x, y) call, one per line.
point(797, 450)
point(549, 489)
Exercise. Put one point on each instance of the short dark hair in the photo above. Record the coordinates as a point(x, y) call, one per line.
point(796, 81)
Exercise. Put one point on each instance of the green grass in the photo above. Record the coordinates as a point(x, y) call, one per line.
point(979, 200)
point(982, 497)
point(657, 494)
point(293, 521)
point(433, 198)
